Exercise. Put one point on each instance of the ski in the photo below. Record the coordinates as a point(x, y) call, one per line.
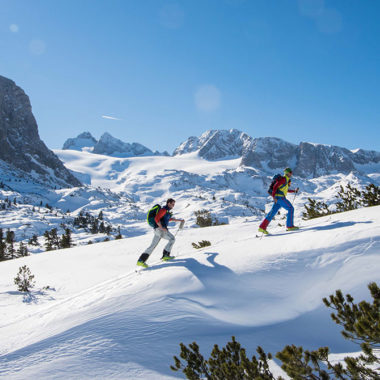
point(139, 270)
point(278, 234)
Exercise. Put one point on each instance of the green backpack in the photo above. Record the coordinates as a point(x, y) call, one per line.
point(152, 214)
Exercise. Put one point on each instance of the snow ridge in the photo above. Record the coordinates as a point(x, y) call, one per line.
point(104, 320)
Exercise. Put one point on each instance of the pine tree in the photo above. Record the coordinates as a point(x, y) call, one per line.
point(94, 227)
point(102, 228)
point(349, 199)
point(66, 241)
point(203, 218)
point(119, 235)
point(371, 195)
point(315, 209)
point(33, 240)
point(100, 216)
point(360, 322)
point(10, 239)
point(22, 250)
point(48, 242)
point(2, 246)
point(54, 238)
point(24, 279)
point(230, 362)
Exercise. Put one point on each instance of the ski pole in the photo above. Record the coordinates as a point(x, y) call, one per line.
point(180, 227)
point(295, 195)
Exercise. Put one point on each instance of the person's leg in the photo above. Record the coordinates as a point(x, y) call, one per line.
point(171, 239)
point(276, 206)
point(289, 207)
point(156, 239)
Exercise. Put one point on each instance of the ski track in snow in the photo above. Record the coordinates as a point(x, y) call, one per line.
point(106, 321)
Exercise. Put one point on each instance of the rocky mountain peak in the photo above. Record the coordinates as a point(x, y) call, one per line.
point(21, 146)
point(216, 144)
point(274, 154)
point(84, 141)
point(111, 146)
point(268, 151)
point(307, 160)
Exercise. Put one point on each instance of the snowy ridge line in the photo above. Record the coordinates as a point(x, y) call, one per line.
point(96, 288)
point(81, 301)
point(48, 308)
point(130, 326)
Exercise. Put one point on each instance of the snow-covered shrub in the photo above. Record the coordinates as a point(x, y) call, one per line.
point(201, 244)
point(24, 279)
point(204, 218)
point(315, 209)
point(360, 322)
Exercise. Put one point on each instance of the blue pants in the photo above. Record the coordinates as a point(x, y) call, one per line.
point(282, 202)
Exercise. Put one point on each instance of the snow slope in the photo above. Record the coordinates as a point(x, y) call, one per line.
point(103, 320)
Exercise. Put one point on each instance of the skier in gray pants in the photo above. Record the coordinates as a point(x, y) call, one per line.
point(162, 219)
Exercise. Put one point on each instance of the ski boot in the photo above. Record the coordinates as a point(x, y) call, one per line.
point(142, 259)
point(166, 256)
point(265, 232)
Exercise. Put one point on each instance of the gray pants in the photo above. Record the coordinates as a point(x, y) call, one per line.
point(158, 235)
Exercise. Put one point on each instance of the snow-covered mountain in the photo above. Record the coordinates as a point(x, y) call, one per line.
point(268, 153)
point(100, 319)
point(109, 146)
point(84, 141)
point(114, 147)
point(231, 190)
point(309, 160)
point(21, 149)
point(216, 144)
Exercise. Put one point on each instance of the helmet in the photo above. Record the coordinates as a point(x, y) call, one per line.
point(288, 170)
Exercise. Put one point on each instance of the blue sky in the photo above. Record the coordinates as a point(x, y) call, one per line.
point(303, 70)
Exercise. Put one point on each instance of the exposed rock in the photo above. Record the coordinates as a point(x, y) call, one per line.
point(20, 143)
point(111, 146)
point(216, 144)
point(270, 153)
point(84, 141)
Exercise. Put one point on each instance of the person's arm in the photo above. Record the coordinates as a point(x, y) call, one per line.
point(158, 218)
point(176, 220)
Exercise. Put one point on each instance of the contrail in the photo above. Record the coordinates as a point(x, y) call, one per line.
point(110, 117)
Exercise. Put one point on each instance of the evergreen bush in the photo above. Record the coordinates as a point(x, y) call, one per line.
point(315, 209)
point(24, 279)
point(349, 198)
point(360, 322)
point(371, 196)
point(201, 244)
point(203, 218)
